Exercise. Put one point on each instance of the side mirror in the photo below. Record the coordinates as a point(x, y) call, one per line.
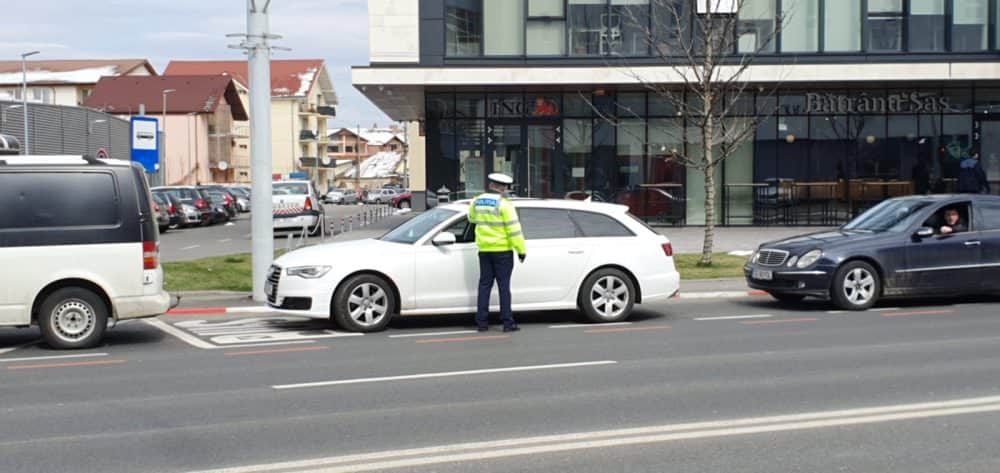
point(444, 239)
point(924, 232)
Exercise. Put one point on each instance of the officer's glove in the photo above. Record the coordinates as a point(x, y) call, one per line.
point(522, 257)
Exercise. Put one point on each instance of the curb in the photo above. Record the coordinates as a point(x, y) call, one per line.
point(266, 310)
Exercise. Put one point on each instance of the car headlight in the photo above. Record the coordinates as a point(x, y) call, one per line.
point(755, 256)
point(809, 259)
point(308, 272)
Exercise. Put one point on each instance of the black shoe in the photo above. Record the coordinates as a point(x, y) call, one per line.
point(483, 328)
point(513, 328)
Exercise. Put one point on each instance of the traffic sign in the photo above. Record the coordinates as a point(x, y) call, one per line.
point(102, 154)
point(146, 143)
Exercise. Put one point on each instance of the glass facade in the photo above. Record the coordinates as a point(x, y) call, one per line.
point(818, 157)
point(649, 28)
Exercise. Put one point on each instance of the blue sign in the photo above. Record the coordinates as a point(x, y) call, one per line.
point(146, 143)
point(298, 175)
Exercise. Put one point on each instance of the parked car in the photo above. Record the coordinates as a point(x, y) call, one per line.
point(178, 217)
point(296, 206)
point(899, 248)
point(403, 200)
point(242, 195)
point(349, 197)
point(334, 196)
point(79, 247)
point(162, 210)
point(227, 196)
point(223, 210)
point(190, 195)
point(380, 196)
point(581, 255)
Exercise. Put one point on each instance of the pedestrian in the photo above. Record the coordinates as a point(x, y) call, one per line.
point(972, 177)
point(498, 236)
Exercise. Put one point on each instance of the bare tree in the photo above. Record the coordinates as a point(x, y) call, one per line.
point(698, 43)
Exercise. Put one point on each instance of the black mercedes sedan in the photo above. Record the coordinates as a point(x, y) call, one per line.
point(935, 245)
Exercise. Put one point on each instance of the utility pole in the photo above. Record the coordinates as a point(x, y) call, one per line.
point(357, 160)
point(256, 43)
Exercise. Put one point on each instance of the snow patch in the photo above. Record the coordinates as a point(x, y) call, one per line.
point(306, 80)
point(379, 165)
point(88, 75)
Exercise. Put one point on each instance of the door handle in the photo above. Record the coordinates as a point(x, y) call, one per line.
point(576, 252)
point(973, 243)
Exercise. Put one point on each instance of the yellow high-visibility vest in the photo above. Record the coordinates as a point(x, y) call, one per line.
point(497, 228)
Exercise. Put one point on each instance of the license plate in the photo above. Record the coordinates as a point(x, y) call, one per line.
point(762, 274)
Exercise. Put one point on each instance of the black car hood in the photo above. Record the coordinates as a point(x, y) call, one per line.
point(821, 240)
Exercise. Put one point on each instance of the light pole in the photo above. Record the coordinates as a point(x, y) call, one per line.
point(163, 132)
point(24, 98)
point(190, 122)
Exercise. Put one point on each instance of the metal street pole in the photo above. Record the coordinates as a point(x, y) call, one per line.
point(24, 98)
point(357, 160)
point(262, 223)
point(163, 130)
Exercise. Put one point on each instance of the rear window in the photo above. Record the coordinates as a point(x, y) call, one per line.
point(185, 195)
point(988, 217)
point(50, 200)
point(291, 188)
point(541, 224)
point(598, 225)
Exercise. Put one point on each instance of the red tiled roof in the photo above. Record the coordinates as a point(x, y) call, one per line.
point(201, 94)
point(80, 71)
point(289, 77)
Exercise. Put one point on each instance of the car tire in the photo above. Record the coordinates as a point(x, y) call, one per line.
point(73, 317)
point(364, 303)
point(785, 297)
point(856, 286)
point(607, 295)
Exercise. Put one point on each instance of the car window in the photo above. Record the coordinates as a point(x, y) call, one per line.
point(988, 216)
point(463, 231)
point(291, 188)
point(47, 200)
point(890, 215)
point(540, 224)
point(598, 225)
point(943, 224)
point(413, 229)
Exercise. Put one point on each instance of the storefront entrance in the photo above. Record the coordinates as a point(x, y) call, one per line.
point(526, 152)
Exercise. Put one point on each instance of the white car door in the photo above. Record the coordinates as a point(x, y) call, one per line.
point(447, 277)
point(556, 257)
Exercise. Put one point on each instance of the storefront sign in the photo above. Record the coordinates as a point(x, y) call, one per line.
point(516, 107)
point(906, 102)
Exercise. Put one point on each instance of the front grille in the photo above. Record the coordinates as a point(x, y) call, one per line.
point(273, 277)
point(772, 257)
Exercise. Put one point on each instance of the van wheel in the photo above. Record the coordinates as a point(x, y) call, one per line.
point(607, 295)
point(365, 303)
point(73, 317)
point(856, 286)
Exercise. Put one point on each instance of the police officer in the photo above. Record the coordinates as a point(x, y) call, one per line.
point(498, 236)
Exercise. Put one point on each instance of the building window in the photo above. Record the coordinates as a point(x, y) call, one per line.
point(800, 26)
point(926, 25)
point(969, 25)
point(842, 26)
point(463, 27)
point(503, 27)
point(546, 28)
point(756, 26)
point(629, 27)
point(348, 149)
point(885, 25)
point(671, 29)
point(586, 27)
point(333, 148)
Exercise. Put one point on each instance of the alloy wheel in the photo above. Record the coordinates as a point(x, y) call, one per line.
point(859, 286)
point(368, 304)
point(609, 296)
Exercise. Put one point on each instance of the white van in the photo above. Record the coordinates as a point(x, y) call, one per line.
point(79, 248)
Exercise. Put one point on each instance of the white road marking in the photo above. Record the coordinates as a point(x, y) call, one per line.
point(249, 310)
point(589, 325)
point(184, 336)
point(247, 345)
point(225, 240)
point(190, 247)
point(4, 351)
point(431, 334)
point(523, 446)
point(885, 309)
point(736, 317)
point(444, 374)
point(714, 295)
point(54, 357)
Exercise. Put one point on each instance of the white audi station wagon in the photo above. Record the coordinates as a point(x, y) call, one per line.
point(594, 257)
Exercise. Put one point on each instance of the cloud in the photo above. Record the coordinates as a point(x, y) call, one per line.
point(177, 36)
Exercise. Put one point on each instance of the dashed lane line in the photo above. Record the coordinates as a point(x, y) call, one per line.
point(734, 317)
point(779, 321)
point(190, 247)
point(52, 357)
point(431, 334)
point(71, 364)
point(589, 325)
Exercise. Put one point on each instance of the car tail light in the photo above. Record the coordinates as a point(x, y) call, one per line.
point(200, 204)
point(668, 249)
point(309, 204)
point(229, 201)
point(150, 254)
point(173, 209)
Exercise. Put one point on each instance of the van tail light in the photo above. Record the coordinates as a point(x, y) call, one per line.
point(668, 249)
point(200, 204)
point(150, 254)
point(309, 204)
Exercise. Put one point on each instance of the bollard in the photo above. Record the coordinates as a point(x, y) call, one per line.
point(343, 225)
point(350, 221)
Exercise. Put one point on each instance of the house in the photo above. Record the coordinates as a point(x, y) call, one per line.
point(202, 121)
point(65, 82)
point(302, 100)
point(345, 143)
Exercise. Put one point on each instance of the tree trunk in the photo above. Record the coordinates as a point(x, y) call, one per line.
point(707, 156)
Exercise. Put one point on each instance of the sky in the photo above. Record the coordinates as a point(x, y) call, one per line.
point(163, 30)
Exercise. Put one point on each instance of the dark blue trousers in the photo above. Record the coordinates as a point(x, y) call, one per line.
point(495, 267)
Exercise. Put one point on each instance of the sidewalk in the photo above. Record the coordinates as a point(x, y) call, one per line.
point(727, 239)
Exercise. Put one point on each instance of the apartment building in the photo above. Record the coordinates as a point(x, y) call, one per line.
point(65, 82)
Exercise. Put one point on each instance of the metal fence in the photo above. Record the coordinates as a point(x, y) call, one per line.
point(59, 129)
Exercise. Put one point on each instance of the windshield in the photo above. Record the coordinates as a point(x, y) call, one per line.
point(411, 230)
point(890, 215)
point(291, 188)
